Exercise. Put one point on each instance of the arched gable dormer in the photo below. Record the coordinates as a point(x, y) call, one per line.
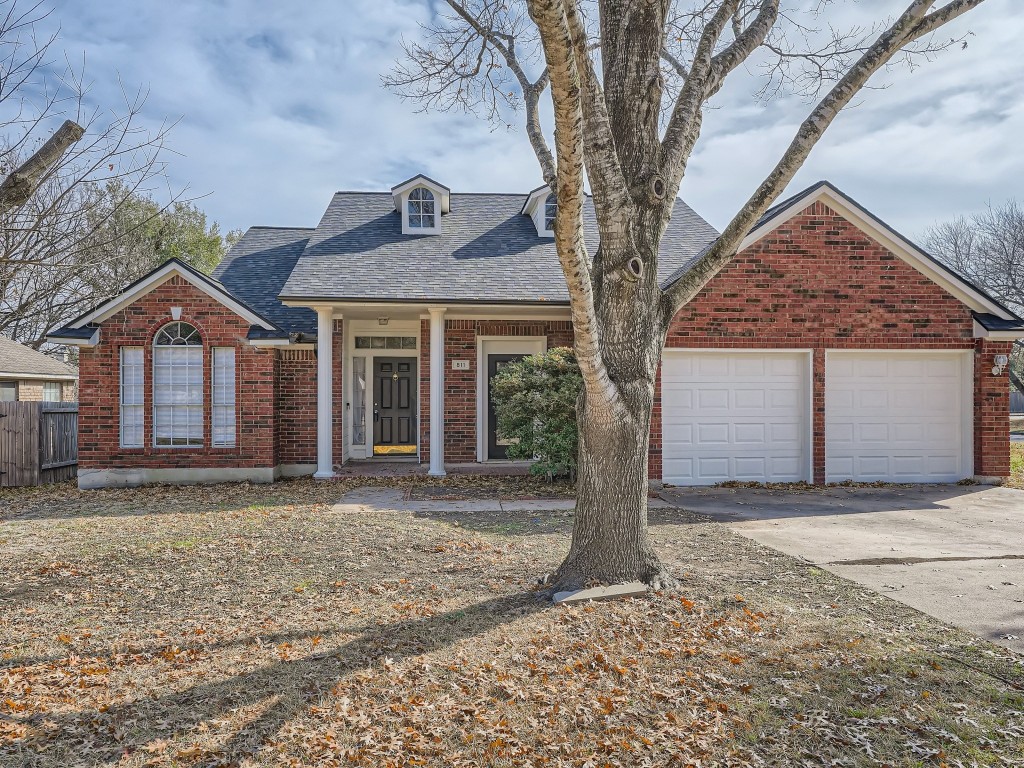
point(421, 202)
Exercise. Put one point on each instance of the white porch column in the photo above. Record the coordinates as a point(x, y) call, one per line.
point(324, 393)
point(436, 391)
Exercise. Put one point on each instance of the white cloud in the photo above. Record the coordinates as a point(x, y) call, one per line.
point(281, 105)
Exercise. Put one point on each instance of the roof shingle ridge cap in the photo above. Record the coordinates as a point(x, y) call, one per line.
point(274, 226)
point(459, 194)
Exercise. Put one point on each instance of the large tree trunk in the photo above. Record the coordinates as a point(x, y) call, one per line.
point(610, 540)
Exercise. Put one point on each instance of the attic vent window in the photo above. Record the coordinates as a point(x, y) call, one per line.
point(421, 209)
point(550, 211)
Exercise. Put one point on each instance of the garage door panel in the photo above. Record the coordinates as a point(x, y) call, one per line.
point(749, 365)
point(713, 467)
point(749, 398)
point(873, 399)
point(749, 433)
point(787, 469)
point(711, 366)
point(897, 416)
point(748, 417)
point(786, 434)
point(713, 434)
point(873, 433)
point(712, 399)
point(750, 467)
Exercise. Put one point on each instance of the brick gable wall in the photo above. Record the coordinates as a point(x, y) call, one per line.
point(136, 326)
point(818, 282)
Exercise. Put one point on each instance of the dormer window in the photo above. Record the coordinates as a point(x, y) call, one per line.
point(421, 202)
point(550, 211)
point(421, 209)
point(542, 206)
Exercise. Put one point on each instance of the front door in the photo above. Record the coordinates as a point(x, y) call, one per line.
point(394, 405)
point(496, 447)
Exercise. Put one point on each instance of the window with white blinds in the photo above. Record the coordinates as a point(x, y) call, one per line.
point(223, 390)
point(53, 392)
point(133, 381)
point(178, 387)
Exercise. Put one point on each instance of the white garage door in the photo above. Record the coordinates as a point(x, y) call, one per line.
point(897, 416)
point(734, 416)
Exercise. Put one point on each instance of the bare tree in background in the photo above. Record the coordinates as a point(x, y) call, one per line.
point(68, 170)
point(988, 249)
point(629, 81)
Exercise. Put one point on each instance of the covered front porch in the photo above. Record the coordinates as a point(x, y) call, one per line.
point(404, 388)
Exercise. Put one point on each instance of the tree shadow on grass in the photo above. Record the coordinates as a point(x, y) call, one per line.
point(292, 685)
point(540, 523)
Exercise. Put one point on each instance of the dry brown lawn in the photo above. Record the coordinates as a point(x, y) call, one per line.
point(259, 626)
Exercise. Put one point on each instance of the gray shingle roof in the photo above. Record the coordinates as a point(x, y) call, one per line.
point(487, 252)
point(16, 359)
point(255, 271)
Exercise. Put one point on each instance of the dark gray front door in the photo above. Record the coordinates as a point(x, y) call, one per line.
point(496, 448)
point(394, 405)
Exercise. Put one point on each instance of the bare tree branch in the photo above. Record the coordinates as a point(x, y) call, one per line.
point(17, 188)
point(912, 24)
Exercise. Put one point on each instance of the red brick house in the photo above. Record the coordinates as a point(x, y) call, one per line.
point(830, 349)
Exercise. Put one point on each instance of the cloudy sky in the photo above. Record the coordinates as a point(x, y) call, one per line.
point(280, 104)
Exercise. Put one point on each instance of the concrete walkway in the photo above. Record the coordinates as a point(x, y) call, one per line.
point(955, 552)
point(394, 499)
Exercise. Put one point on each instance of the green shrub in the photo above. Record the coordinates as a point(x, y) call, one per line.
point(535, 402)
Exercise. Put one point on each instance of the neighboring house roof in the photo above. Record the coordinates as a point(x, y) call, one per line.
point(255, 271)
point(19, 361)
point(487, 252)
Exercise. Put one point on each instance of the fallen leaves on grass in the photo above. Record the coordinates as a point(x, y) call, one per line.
point(257, 626)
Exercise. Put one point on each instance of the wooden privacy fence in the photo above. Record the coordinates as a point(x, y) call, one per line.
point(38, 443)
point(1016, 402)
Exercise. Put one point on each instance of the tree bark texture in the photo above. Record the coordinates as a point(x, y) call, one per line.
point(18, 187)
point(608, 128)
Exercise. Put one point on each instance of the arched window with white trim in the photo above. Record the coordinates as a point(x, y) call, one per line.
point(178, 387)
point(421, 209)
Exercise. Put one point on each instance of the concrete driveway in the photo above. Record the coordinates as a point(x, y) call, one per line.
point(955, 552)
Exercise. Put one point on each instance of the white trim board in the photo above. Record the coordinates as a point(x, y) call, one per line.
point(887, 237)
point(981, 332)
point(92, 341)
point(157, 278)
point(61, 377)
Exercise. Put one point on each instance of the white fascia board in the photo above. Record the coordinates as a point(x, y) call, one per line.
point(279, 343)
point(92, 341)
point(38, 376)
point(154, 281)
point(456, 311)
point(981, 332)
point(889, 239)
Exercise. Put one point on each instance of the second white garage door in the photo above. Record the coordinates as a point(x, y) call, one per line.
point(898, 416)
point(734, 416)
